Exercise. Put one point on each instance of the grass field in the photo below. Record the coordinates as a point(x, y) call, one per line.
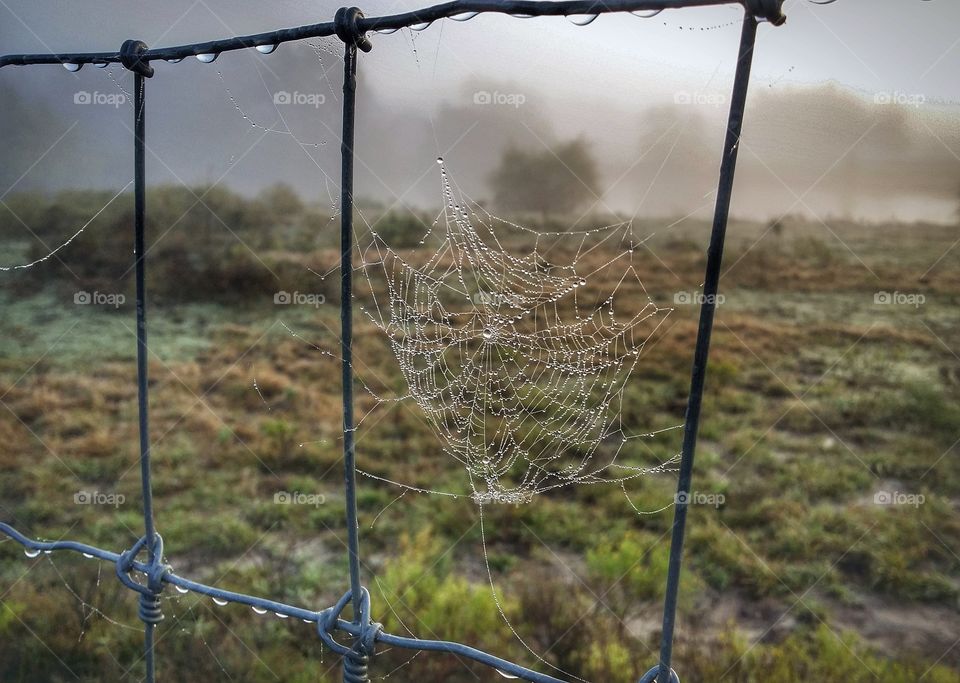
point(829, 550)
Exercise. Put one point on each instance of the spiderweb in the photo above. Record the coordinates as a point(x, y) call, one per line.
point(517, 363)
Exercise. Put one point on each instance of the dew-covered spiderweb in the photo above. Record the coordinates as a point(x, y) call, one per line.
point(517, 362)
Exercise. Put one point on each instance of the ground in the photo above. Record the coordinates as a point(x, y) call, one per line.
point(833, 389)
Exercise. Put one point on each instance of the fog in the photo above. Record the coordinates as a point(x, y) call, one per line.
point(852, 110)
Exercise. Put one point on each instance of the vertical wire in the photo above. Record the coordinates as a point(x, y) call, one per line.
point(139, 163)
point(346, 318)
point(702, 350)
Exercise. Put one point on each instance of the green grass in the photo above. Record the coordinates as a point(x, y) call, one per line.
point(817, 399)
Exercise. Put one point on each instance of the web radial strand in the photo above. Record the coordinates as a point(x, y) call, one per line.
point(517, 361)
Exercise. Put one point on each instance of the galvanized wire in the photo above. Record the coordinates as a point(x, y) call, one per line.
point(351, 27)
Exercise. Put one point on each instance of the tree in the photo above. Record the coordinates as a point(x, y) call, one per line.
point(552, 181)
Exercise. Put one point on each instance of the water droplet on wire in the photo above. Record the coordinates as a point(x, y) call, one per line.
point(31, 553)
point(218, 601)
point(464, 16)
point(71, 66)
point(582, 19)
point(266, 49)
point(207, 57)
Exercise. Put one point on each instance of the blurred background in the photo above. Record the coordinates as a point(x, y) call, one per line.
point(827, 546)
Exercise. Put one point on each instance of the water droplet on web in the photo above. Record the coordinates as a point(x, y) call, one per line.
point(464, 16)
point(259, 610)
point(489, 333)
point(582, 19)
point(439, 160)
point(218, 601)
point(182, 590)
point(207, 57)
point(72, 67)
point(31, 553)
point(266, 49)
point(422, 26)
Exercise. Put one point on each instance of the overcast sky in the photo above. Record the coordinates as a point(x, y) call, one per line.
point(419, 88)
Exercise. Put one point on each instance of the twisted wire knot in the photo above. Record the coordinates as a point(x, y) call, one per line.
point(346, 24)
point(131, 56)
point(150, 611)
point(356, 669)
point(771, 10)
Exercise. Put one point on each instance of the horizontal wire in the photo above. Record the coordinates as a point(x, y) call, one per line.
point(327, 619)
point(524, 8)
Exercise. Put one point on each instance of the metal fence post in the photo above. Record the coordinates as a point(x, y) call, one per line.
point(701, 352)
point(354, 667)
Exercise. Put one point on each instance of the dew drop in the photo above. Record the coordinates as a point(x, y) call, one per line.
point(31, 553)
point(582, 19)
point(218, 601)
point(88, 556)
point(505, 675)
point(422, 26)
point(101, 65)
point(464, 16)
point(207, 57)
point(489, 334)
point(386, 31)
point(70, 66)
point(439, 160)
point(182, 590)
point(174, 60)
point(282, 616)
point(266, 49)
point(259, 610)
point(646, 13)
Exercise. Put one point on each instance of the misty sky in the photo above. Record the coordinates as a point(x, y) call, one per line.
point(854, 105)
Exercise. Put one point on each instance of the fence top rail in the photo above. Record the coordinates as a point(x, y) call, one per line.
point(768, 10)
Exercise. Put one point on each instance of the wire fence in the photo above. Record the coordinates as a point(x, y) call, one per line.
point(142, 568)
